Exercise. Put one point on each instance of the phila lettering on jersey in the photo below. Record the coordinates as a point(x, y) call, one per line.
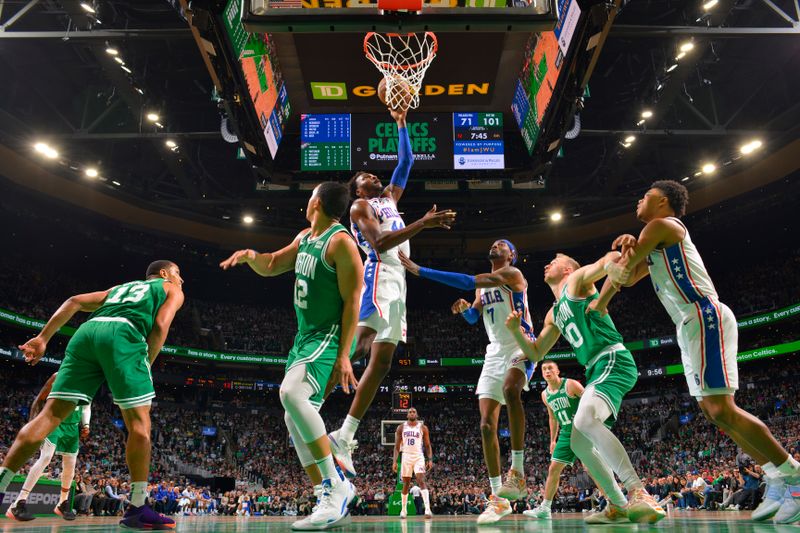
point(412, 439)
point(498, 302)
point(389, 219)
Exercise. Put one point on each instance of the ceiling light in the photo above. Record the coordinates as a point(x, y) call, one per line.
point(115, 182)
point(647, 113)
point(247, 219)
point(680, 56)
point(112, 51)
point(555, 217)
point(708, 168)
point(672, 67)
point(626, 145)
point(160, 125)
point(640, 122)
point(685, 178)
point(170, 143)
point(126, 69)
point(140, 91)
point(86, 7)
point(688, 46)
point(91, 172)
point(750, 147)
point(119, 60)
point(40, 147)
point(630, 138)
point(711, 3)
point(152, 117)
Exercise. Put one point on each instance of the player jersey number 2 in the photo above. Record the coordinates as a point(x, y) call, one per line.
point(573, 335)
point(128, 293)
point(300, 293)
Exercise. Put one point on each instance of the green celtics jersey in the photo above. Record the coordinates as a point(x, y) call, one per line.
point(562, 405)
point(135, 301)
point(589, 334)
point(317, 302)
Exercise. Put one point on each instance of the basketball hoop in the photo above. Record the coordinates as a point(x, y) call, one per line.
point(402, 58)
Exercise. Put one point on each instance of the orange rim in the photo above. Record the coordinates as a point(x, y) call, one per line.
point(390, 66)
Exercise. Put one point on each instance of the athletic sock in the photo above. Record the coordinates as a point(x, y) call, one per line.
point(496, 483)
point(328, 469)
point(404, 499)
point(790, 468)
point(64, 495)
point(547, 504)
point(518, 461)
point(138, 493)
point(6, 475)
point(426, 499)
point(770, 470)
point(349, 428)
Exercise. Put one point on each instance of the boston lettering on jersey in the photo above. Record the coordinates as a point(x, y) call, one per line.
point(306, 265)
point(561, 402)
point(563, 315)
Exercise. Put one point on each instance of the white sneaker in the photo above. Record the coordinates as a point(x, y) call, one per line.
point(332, 510)
point(428, 513)
point(773, 499)
point(611, 515)
point(343, 453)
point(539, 513)
point(514, 486)
point(496, 509)
point(403, 513)
point(789, 511)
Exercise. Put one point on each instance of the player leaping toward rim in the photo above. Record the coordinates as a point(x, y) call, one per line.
point(410, 439)
point(505, 373)
point(610, 374)
point(381, 234)
point(707, 336)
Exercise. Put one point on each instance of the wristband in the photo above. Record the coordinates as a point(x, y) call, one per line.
point(471, 315)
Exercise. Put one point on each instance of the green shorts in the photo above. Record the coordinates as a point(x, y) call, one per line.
point(612, 374)
point(563, 453)
point(318, 352)
point(65, 439)
point(111, 350)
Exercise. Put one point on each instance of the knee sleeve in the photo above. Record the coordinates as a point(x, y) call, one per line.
point(295, 393)
point(591, 410)
point(45, 456)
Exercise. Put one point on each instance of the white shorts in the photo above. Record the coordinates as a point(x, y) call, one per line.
point(383, 302)
point(412, 464)
point(709, 343)
point(499, 359)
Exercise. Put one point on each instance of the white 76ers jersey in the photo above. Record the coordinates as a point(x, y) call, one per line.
point(412, 439)
point(680, 278)
point(390, 220)
point(498, 302)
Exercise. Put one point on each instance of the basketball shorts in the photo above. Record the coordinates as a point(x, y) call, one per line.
point(563, 453)
point(499, 360)
point(383, 302)
point(613, 374)
point(709, 343)
point(318, 352)
point(105, 349)
point(65, 438)
point(411, 465)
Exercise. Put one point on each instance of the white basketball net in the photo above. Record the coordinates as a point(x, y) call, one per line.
point(402, 58)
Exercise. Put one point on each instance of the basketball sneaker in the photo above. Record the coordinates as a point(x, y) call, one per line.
point(343, 453)
point(773, 499)
point(403, 513)
point(540, 513)
point(428, 513)
point(789, 511)
point(643, 508)
point(333, 509)
point(514, 487)
point(64, 511)
point(496, 509)
point(613, 514)
point(20, 512)
point(145, 518)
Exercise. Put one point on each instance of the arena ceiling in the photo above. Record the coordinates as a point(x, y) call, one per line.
point(62, 87)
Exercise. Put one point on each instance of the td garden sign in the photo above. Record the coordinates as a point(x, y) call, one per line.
point(321, 90)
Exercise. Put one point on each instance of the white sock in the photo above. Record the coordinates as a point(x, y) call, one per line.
point(518, 461)
point(138, 493)
point(328, 469)
point(404, 499)
point(349, 428)
point(790, 467)
point(426, 499)
point(770, 470)
point(547, 504)
point(496, 483)
point(6, 475)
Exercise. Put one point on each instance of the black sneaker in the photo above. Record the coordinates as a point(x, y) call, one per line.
point(64, 511)
point(19, 512)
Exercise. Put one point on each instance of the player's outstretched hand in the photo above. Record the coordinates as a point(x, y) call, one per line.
point(439, 219)
point(345, 376)
point(33, 350)
point(624, 243)
point(460, 306)
point(514, 320)
point(238, 257)
point(409, 265)
point(399, 116)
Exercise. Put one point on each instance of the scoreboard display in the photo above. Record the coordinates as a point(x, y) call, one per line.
point(402, 402)
point(478, 141)
point(325, 142)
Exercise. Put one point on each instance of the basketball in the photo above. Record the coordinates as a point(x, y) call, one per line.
point(399, 91)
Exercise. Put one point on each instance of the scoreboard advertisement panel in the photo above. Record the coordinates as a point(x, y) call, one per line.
point(325, 142)
point(374, 141)
point(478, 141)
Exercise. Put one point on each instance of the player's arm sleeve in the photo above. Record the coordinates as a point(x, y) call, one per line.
point(465, 282)
point(405, 159)
point(86, 415)
point(471, 315)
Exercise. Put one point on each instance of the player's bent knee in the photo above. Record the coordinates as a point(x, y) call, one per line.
point(488, 428)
